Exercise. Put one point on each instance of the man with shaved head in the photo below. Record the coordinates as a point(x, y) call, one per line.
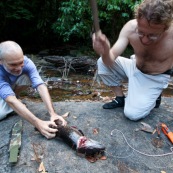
point(14, 65)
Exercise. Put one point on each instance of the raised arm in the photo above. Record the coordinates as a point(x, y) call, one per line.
point(102, 46)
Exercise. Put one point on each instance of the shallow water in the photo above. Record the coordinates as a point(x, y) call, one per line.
point(75, 87)
point(71, 86)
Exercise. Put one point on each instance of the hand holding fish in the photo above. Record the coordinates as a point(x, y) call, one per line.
point(58, 117)
point(47, 128)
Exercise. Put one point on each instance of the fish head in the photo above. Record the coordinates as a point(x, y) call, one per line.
point(89, 146)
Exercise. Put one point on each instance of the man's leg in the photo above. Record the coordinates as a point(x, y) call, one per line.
point(4, 109)
point(119, 99)
point(113, 77)
point(143, 91)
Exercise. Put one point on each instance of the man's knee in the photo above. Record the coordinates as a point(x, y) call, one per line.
point(99, 61)
point(3, 115)
point(102, 68)
point(5, 112)
point(5, 109)
point(135, 115)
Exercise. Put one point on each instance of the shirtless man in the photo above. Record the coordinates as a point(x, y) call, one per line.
point(148, 71)
point(13, 65)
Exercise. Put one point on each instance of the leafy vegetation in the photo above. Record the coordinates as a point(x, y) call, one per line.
point(48, 21)
point(75, 19)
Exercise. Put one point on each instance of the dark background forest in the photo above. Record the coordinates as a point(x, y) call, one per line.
point(40, 24)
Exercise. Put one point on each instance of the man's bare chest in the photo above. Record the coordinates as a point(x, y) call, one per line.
point(155, 55)
point(159, 52)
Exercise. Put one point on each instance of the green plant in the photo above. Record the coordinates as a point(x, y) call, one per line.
point(48, 21)
point(114, 14)
point(75, 20)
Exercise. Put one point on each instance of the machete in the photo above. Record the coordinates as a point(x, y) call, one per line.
point(15, 142)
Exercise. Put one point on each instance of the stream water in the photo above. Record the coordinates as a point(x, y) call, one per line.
point(76, 86)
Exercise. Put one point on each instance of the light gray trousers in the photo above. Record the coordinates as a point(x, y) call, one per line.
point(5, 109)
point(143, 89)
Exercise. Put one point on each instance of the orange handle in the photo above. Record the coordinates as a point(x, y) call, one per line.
point(170, 136)
point(167, 132)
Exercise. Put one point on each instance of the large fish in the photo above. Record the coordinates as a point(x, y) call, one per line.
point(76, 139)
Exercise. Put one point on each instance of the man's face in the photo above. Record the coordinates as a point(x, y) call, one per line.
point(13, 64)
point(149, 33)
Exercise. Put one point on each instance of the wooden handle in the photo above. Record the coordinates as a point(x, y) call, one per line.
point(95, 16)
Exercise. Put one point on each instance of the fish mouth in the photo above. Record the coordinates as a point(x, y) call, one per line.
point(89, 147)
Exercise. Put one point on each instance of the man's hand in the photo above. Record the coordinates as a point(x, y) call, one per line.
point(55, 117)
point(101, 44)
point(47, 128)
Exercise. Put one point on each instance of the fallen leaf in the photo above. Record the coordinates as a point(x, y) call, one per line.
point(95, 131)
point(66, 115)
point(105, 99)
point(95, 94)
point(146, 127)
point(77, 100)
point(74, 117)
point(162, 172)
point(103, 158)
point(33, 159)
point(41, 167)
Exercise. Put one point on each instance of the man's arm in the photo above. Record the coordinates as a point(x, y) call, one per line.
point(102, 45)
point(44, 93)
point(21, 109)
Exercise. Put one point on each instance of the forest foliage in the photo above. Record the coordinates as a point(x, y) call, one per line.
point(59, 21)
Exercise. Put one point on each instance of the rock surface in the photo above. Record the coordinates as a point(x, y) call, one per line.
point(75, 62)
point(57, 157)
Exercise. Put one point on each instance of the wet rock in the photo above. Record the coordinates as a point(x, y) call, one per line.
point(77, 63)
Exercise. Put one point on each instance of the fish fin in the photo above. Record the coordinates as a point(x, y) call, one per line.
point(81, 132)
point(74, 127)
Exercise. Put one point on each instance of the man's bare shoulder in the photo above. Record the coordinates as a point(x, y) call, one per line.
point(131, 23)
point(130, 26)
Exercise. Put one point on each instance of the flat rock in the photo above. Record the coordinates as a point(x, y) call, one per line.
point(128, 150)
